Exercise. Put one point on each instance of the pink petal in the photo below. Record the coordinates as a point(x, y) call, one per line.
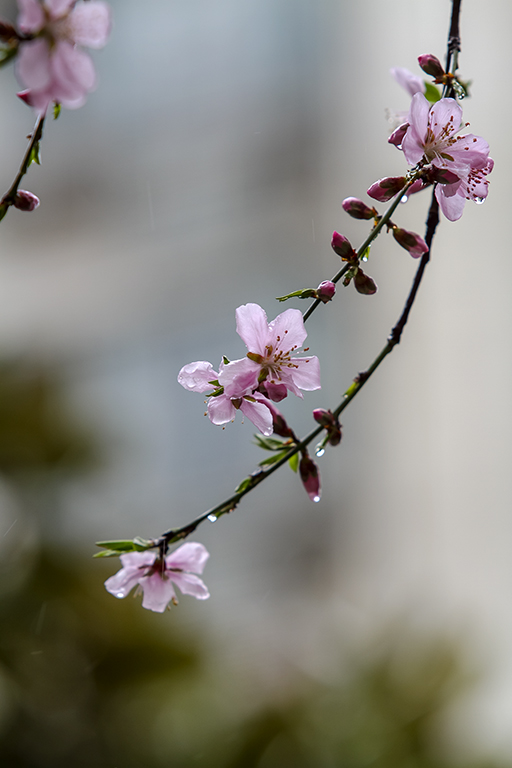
point(407, 80)
point(451, 205)
point(190, 585)
point(124, 580)
point(260, 415)
point(289, 327)
point(59, 8)
point(73, 74)
point(445, 112)
point(158, 592)
point(196, 377)
point(189, 557)
point(252, 327)
point(33, 64)
point(307, 374)
point(240, 377)
point(221, 410)
point(90, 24)
point(31, 16)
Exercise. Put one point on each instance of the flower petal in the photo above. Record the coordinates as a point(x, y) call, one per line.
point(90, 24)
point(451, 205)
point(31, 16)
point(221, 410)
point(191, 585)
point(289, 327)
point(196, 377)
point(158, 592)
point(240, 377)
point(73, 74)
point(189, 557)
point(407, 80)
point(259, 414)
point(307, 374)
point(59, 8)
point(252, 327)
point(33, 64)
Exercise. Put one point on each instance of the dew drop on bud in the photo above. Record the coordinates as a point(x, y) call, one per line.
point(319, 452)
point(404, 198)
point(212, 518)
point(316, 499)
point(479, 200)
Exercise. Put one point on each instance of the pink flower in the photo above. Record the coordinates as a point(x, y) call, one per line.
point(228, 397)
point(411, 83)
point(272, 348)
point(156, 577)
point(433, 137)
point(50, 65)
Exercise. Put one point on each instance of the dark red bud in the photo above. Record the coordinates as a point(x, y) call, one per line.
point(25, 201)
point(364, 283)
point(411, 242)
point(384, 189)
point(357, 209)
point(310, 477)
point(325, 291)
point(398, 134)
point(431, 65)
point(341, 245)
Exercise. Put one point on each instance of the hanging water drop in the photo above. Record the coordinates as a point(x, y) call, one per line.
point(319, 451)
point(479, 200)
point(316, 499)
point(404, 198)
point(365, 258)
point(212, 518)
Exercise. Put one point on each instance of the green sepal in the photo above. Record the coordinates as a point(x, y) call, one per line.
point(34, 156)
point(272, 459)
point(269, 443)
point(244, 485)
point(431, 93)
point(108, 553)
point(366, 253)
point(293, 462)
point(57, 107)
point(225, 360)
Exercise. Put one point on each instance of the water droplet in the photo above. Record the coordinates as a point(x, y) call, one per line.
point(119, 594)
point(316, 499)
point(365, 258)
point(479, 200)
point(319, 452)
point(399, 146)
point(212, 518)
point(404, 198)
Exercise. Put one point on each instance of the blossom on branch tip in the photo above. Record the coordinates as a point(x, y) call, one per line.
point(156, 576)
point(410, 241)
point(341, 245)
point(325, 291)
point(431, 65)
point(357, 209)
point(50, 64)
point(25, 200)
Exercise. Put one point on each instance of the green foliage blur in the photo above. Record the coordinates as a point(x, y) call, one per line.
point(87, 681)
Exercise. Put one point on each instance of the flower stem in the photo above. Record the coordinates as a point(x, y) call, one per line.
point(8, 198)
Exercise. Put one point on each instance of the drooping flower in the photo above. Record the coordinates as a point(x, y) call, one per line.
point(50, 64)
point(433, 137)
point(228, 397)
point(156, 576)
point(272, 347)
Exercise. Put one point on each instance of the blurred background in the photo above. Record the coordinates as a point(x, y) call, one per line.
point(207, 171)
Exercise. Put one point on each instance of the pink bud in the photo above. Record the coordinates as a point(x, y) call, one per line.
point(310, 477)
point(431, 65)
point(342, 247)
point(25, 201)
point(357, 209)
point(323, 417)
point(384, 189)
point(325, 291)
point(274, 392)
point(364, 283)
point(332, 425)
point(398, 134)
point(411, 242)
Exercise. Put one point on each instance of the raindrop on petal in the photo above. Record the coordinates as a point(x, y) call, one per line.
point(479, 200)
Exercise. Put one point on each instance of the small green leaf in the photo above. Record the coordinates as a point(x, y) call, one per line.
point(121, 546)
point(244, 485)
point(269, 443)
point(107, 553)
point(431, 93)
point(56, 110)
point(272, 459)
point(34, 156)
point(293, 462)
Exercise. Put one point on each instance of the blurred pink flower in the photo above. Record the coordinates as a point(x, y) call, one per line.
point(51, 65)
point(155, 577)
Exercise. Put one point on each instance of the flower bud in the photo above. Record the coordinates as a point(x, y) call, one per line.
point(281, 428)
point(310, 477)
point(25, 201)
point(357, 209)
point(431, 65)
point(342, 247)
point(323, 417)
point(7, 31)
point(325, 291)
point(274, 392)
point(411, 242)
point(398, 134)
point(386, 188)
point(364, 283)
point(332, 425)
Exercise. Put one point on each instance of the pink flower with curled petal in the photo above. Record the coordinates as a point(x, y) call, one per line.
point(433, 138)
point(50, 64)
point(229, 397)
point(156, 576)
point(272, 347)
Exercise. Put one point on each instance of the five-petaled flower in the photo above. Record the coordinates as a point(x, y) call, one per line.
point(268, 372)
point(432, 137)
point(156, 576)
point(50, 64)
